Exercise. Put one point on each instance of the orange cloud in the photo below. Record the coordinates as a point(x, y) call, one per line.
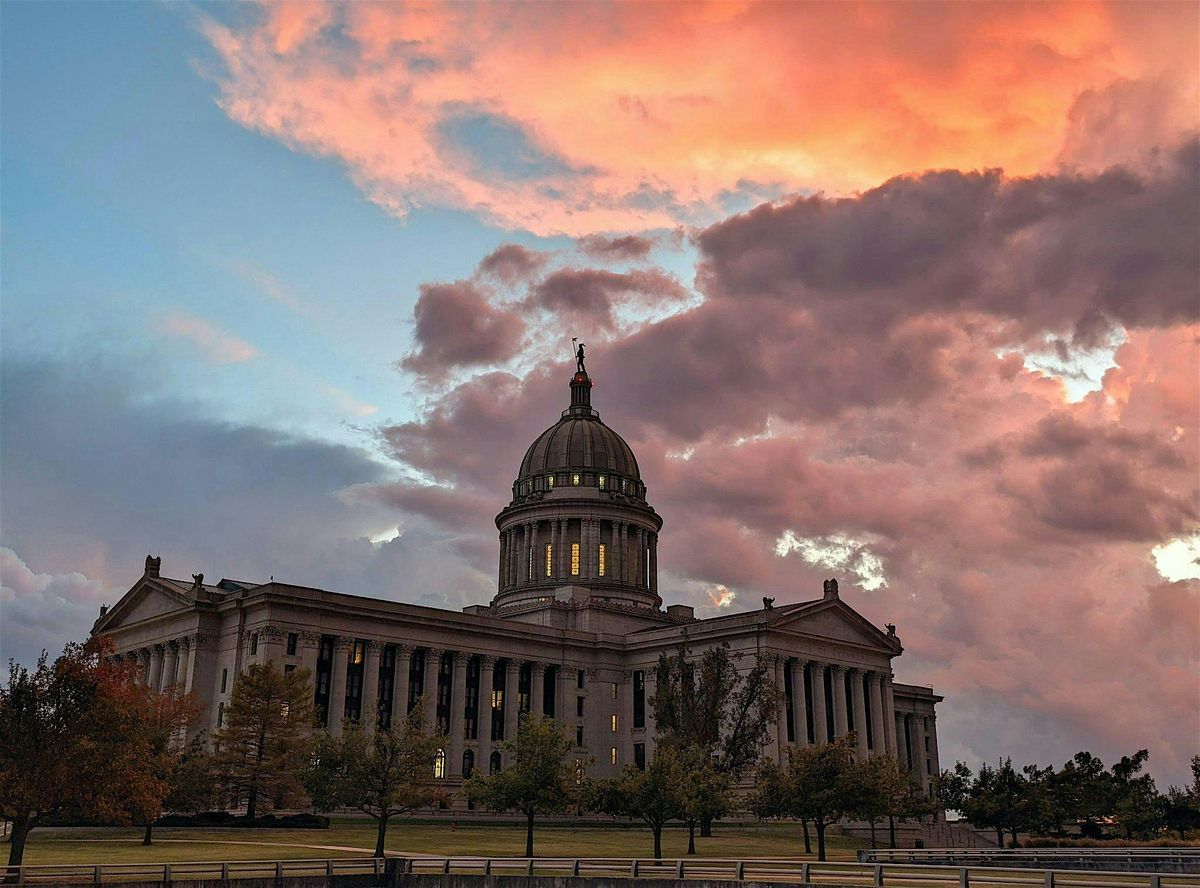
point(588, 117)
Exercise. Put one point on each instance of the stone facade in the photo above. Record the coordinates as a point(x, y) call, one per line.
point(574, 632)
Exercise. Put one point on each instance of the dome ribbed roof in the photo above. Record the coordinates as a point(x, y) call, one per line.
point(577, 442)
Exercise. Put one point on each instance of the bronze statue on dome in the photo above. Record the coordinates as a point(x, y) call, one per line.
point(579, 368)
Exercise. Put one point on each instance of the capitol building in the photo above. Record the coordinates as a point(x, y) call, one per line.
point(574, 632)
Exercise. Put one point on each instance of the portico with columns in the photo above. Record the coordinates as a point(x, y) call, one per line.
point(574, 632)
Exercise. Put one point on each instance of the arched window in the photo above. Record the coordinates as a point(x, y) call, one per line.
point(439, 765)
point(495, 762)
point(468, 763)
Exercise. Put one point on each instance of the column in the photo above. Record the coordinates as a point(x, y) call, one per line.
point(537, 558)
point(639, 561)
point(526, 565)
point(922, 770)
point(564, 705)
point(458, 696)
point(651, 724)
point(626, 693)
point(777, 738)
point(820, 717)
point(370, 687)
point(156, 664)
point(512, 678)
point(860, 712)
point(433, 665)
point(503, 555)
point(553, 552)
point(183, 672)
point(799, 705)
point(654, 564)
point(513, 553)
point(837, 676)
point(487, 667)
point(623, 556)
point(309, 644)
point(889, 716)
point(878, 732)
point(170, 664)
point(587, 563)
point(400, 684)
point(337, 684)
point(537, 689)
point(562, 560)
point(933, 752)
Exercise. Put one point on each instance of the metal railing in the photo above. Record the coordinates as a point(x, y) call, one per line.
point(1184, 860)
point(852, 875)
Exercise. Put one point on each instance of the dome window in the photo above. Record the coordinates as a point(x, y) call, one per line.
point(574, 559)
point(549, 560)
point(602, 554)
point(575, 479)
point(600, 482)
point(623, 489)
point(550, 482)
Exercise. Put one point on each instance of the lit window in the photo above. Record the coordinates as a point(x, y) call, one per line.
point(358, 652)
point(602, 559)
point(497, 699)
point(601, 481)
point(614, 724)
point(575, 480)
point(529, 559)
point(550, 482)
point(549, 560)
point(574, 559)
point(439, 765)
point(612, 755)
point(613, 687)
point(623, 485)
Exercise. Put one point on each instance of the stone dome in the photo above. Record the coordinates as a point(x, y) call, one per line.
point(579, 441)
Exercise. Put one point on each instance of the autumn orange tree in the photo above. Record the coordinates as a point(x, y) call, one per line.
point(165, 716)
point(76, 740)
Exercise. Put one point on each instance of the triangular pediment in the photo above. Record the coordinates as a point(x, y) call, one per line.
point(835, 620)
point(147, 600)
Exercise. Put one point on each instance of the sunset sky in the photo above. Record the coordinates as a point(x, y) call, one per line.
point(906, 294)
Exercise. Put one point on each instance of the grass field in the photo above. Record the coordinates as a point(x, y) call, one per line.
point(348, 838)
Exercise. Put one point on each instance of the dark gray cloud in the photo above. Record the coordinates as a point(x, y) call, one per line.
point(625, 247)
point(458, 327)
point(511, 263)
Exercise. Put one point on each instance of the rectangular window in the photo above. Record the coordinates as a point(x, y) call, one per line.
point(293, 640)
point(550, 483)
point(224, 680)
point(579, 736)
point(602, 559)
point(639, 756)
point(290, 667)
point(575, 479)
point(220, 714)
point(253, 643)
point(623, 486)
point(614, 724)
point(579, 706)
point(600, 481)
point(639, 699)
point(549, 560)
point(579, 679)
point(529, 561)
point(612, 755)
point(574, 559)
point(613, 690)
point(360, 650)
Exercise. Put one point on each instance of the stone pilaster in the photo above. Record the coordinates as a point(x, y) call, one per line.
point(891, 740)
point(183, 672)
point(337, 684)
point(310, 644)
point(370, 687)
point(820, 716)
point(537, 689)
point(154, 676)
point(860, 712)
point(400, 685)
point(170, 664)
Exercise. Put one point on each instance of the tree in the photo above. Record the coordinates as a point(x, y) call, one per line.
point(706, 792)
point(1137, 803)
point(654, 795)
point(74, 741)
point(263, 743)
point(1181, 806)
point(167, 715)
point(818, 784)
point(382, 773)
point(193, 786)
point(771, 796)
point(874, 790)
point(1081, 791)
point(537, 778)
point(706, 702)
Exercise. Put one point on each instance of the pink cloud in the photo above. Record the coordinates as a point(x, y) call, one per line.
point(216, 345)
point(846, 378)
point(580, 118)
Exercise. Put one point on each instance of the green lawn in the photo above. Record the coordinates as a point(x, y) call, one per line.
point(354, 838)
